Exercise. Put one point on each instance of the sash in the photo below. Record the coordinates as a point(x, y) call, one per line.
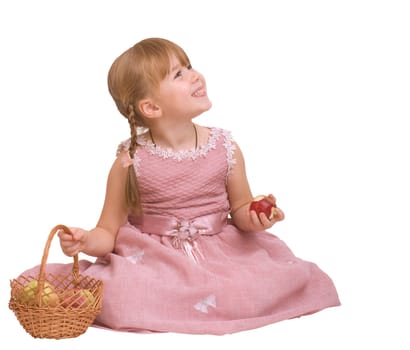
point(184, 232)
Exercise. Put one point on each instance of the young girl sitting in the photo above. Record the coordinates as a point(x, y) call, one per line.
point(177, 245)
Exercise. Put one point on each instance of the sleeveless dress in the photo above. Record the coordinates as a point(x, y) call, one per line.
point(185, 268)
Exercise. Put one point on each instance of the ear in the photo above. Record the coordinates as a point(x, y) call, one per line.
point(149, 109)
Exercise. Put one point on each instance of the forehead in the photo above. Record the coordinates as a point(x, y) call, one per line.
point(174, 62)
point(176, 57)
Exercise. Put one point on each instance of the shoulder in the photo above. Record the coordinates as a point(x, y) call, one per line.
point(124, 146)
point(219, 131)
point(224, 138)
point(123, 159)
point(212, 133)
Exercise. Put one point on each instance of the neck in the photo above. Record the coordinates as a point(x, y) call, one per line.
point(181, 138)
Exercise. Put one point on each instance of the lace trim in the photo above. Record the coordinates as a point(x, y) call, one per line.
point(230, 149)
point(193, 154)
point(202, 151)
point(125, 146)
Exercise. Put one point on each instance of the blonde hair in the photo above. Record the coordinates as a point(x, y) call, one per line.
point(133, 76)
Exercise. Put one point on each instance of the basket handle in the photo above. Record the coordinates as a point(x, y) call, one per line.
point(42, 273)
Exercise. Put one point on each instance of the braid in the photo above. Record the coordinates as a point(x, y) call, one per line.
point(133, 128)
point(131, 191)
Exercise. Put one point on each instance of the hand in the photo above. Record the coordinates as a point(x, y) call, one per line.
point(261, 221)
point(72, 244)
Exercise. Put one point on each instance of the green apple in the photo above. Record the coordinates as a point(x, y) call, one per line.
point(48, 297)
point(78, 297)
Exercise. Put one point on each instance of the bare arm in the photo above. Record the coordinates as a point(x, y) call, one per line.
point(240, 198)
point(101, 240)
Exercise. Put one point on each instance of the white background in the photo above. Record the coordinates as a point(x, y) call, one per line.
point(315, 92)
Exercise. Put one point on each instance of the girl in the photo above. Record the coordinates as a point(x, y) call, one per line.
point(177, 245)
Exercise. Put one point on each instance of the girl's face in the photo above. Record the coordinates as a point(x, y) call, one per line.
point(182, 93)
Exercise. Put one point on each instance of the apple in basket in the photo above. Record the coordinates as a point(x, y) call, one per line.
point(77, 298)
point(48, 296)
point(263, 204)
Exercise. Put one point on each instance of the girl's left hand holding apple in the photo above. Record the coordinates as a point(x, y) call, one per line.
point(258, 213)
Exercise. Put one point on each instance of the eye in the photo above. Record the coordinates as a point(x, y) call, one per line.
point(178, 74)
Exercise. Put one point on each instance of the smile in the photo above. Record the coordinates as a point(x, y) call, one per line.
point(199, 93)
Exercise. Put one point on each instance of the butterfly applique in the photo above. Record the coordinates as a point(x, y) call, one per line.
point(135, 258)
point(203, 305)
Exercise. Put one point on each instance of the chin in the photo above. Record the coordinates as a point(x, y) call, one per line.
point(208, 106)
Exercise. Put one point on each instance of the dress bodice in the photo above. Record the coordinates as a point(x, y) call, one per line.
point(184, 184)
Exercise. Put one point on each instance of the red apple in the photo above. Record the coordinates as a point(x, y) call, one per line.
point(264, 204)
point(77, 297)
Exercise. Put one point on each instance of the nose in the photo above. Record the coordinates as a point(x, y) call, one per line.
point(195, 76)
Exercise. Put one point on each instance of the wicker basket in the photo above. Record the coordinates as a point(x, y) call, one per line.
point(56, 306)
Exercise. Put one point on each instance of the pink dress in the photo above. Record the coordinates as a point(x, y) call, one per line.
point(185, 268)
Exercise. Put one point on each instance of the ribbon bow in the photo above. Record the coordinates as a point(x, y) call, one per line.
point(183, 232)
point(184, 236)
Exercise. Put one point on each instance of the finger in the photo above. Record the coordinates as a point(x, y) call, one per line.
point(70, 253)
point(65, 236)
point(272, 197)
point(72, 250)
point(254, 217)
point(279, 215)
point(265, 220)
point(78, 234)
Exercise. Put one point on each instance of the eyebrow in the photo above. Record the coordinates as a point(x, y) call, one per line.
point(178, 65)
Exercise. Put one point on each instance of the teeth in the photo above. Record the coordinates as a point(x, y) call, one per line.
point(199, 93)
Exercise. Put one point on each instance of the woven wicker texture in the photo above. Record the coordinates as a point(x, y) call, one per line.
point(56, 306)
